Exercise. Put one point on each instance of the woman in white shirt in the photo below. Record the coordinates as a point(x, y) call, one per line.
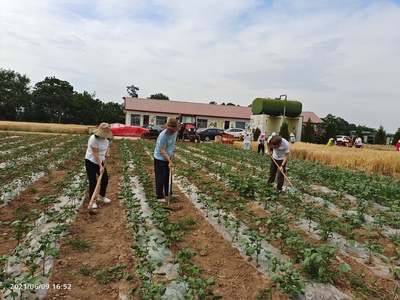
point(96, 153)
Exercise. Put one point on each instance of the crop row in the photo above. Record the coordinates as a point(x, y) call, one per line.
point(154, 233)
point(233, 184)
point(23, 169)
point(38, 234)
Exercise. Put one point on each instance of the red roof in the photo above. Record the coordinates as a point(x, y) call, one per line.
point(198, 109)
point(187, 108)
point(310, 115)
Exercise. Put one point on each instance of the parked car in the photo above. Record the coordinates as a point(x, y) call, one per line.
point(236, 132)
point(208, 134)
point(158, 128)
point(153, 131)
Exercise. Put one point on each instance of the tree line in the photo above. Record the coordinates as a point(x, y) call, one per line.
point(55, 101)
point(52, 101)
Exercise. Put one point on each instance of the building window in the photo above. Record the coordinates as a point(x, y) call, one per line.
point(202, 123)
point(135, 120)
point(161, 120)
point(241, 125)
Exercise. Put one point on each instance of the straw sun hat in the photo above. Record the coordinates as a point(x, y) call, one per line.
point(172, 124)
point(103, 131)
point(275, 141)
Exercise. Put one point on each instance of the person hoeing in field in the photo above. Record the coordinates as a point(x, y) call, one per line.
point(278, 150)
point(96, 154)
point(165, 146)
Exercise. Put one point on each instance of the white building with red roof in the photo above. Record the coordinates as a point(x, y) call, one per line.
point(141, 111)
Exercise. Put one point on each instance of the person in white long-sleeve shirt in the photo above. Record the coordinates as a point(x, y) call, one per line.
point(246, 141)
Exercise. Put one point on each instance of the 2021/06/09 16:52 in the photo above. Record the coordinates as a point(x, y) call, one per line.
point(30, 286)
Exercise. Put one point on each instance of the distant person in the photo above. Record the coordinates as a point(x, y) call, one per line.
point(261, 143)
point(345, 142)
point(292, 138)
point(331, 142)
point(357, 142)
point(165, 146)
point(278, 150)
point(246, 141)
point(181, 133)
point(96, 154)
point(398, 145)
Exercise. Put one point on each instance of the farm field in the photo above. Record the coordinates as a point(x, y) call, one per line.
point(334, 235)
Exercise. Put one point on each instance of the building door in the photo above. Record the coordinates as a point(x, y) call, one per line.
point(226, 126)
point(145, 119)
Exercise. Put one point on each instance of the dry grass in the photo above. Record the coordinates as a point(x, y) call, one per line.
point(370, 158)
point(44, 127)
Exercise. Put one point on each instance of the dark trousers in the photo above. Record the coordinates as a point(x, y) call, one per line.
point(92, 170)
point(161, 171)
point(273, 169)
point(261, 148)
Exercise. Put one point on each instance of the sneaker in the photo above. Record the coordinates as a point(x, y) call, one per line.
point(103, 199)
point(174, 196)
point(161, 200)
point(94, 205)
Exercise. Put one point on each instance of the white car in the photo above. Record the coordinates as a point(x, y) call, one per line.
point(236, 132)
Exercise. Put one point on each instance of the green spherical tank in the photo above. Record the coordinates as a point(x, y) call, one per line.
point(276, 107)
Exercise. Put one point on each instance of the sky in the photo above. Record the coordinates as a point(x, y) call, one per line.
point(339, 57)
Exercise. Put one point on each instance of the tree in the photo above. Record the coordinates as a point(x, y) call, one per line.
point(380, 136)
point(132, 91)
point(342, 126)
point(159, 96)
point(213, 102)
point(14, 95)
point(309, 134)
point(330, 131)
point(256, 133)
point(86, 109)
point(284, 131)
point(52, 100)
point(396, 137)
point(112, 112)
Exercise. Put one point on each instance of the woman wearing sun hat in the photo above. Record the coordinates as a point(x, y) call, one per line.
point(96, 153)
point(398, 145)
point(261, 143)
point(165, 146)
point(278, 149)
point(331, 142)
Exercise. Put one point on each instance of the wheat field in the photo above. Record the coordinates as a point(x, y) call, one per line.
point(370, 158)
point(44, 127)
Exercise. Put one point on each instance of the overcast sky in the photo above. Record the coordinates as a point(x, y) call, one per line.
point(339, 57)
